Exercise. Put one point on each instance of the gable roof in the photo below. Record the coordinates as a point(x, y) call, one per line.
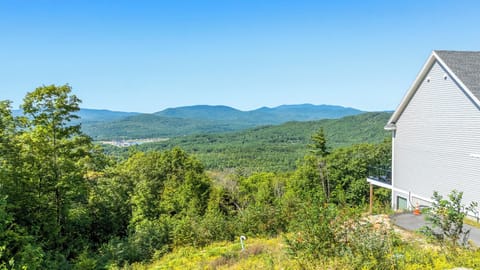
point(462, 66)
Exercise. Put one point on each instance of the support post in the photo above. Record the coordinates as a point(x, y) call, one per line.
point(370, 210)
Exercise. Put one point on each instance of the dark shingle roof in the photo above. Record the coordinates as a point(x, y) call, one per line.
point(466, 66)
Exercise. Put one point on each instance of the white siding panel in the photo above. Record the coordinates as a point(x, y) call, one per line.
point(438, 139)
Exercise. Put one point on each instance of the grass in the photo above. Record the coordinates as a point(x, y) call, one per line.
point(271, 253)
point(262, 253)
point(259, 253)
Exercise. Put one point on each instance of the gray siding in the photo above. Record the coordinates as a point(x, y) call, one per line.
point(436, 136)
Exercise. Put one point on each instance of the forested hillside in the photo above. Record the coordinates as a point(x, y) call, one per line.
point(272, 148)
point(203, 119)
point(153, 126)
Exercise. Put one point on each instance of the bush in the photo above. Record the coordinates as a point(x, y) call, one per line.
point(185, 232)
point(447, 215)
point(316, 228)
point(260, 220)
point(216, 226)
point(327, 234)
point(150, 236)
point(86, 261)
point(370, 247)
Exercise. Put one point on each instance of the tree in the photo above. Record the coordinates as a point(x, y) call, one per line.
point(348, 169)
point(306, 182)
point(109, 206)
point(54, 152)
point(10, 164)
point(319, 144)
point(168, 193)
point(170, 182)
point(7, 127)
point(448, 215)
point(260, 200)
point(320, 152)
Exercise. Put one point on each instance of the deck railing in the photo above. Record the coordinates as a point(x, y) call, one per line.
point(381, 174)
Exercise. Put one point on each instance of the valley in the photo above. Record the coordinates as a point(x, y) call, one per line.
point(271, 148)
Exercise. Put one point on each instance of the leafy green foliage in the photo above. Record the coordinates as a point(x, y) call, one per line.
point(348, 169)
point(323, 232)
point(171, 183)
point(307, 181)
point(55, 150)
point(316, 226)
point(260, 198)
point(162, 197)
point(44, 160)
point(17, 249)
point(109, 206)
point(448, 215)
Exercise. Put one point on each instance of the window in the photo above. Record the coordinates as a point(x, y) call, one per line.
point(401, 203)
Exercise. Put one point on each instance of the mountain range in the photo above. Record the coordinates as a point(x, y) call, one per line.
point(199, 119)
point(264, 115)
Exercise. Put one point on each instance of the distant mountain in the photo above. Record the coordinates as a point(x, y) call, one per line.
point(206, 119)
point(94, 115)
point(261, 116)
point(305, 112)
point(206, 112)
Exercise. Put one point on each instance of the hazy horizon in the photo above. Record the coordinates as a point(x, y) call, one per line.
point(16, 108)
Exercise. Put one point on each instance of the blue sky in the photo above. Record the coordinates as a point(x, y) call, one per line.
point(149, 55)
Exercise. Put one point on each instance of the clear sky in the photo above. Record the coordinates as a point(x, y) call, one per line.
point(146, 56)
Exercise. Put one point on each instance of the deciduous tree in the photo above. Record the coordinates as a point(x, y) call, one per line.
point(53, 152)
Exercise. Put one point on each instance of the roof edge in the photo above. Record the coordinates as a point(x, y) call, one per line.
point(455, 77)
point(413, 88)
point(416, 84)
point(390, 126)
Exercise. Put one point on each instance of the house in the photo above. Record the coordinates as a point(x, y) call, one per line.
point(436, 132)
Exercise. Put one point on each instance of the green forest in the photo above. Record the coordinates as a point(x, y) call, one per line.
point(274, 148)
point(65, 203)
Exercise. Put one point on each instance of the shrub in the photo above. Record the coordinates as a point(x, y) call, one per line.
point(370, 247)
point(216, 226)
point(149, 237)
point(315, 226)
point(447, 215)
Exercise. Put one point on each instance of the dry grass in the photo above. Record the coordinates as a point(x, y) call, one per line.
point(259, 253)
